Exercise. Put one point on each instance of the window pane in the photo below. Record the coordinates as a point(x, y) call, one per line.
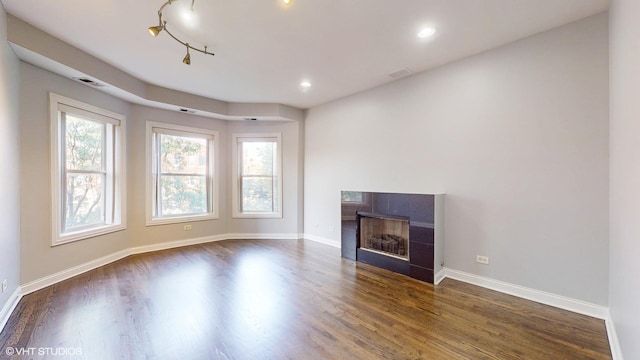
point(84, 144)
point(183, 155)
point(183, 194)
point(257, 194)
point(257, 158)
point(84, 200)
point(352, 196)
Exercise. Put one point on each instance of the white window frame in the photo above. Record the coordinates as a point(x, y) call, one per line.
point(115, 170)
point(237, 139)
point(212, 181)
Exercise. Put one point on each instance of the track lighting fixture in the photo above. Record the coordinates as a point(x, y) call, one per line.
point(162, 25)
point(187, 58)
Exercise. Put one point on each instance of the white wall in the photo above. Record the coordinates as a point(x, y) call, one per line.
point(516, 137)
point(38, 258)
point(624, 294)
point(9, 158)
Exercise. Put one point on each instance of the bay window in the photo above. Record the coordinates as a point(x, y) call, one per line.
point(257, 175)
point(182, 181)
point(87, 172)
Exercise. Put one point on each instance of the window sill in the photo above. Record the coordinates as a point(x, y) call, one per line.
point(86, 234)
point(182, 219)
point(257, 216)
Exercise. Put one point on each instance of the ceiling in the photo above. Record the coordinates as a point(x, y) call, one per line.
point(264, 49)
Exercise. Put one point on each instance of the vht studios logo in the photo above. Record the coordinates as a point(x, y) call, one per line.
point(43, 351)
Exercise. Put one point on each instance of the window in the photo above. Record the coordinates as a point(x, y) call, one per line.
point(353, 197)
point(87, 173)
point(257, 184)
point(182, 184)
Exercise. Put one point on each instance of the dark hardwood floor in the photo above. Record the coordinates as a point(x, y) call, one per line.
point(285, 300)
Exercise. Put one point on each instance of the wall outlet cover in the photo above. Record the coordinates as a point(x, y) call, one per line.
point(482, 259)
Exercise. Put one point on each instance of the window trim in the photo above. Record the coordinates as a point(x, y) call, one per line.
point(117, 221)
point(237, 196)
point(213, 173)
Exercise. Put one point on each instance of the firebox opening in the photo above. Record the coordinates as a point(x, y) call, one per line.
point(385, 235)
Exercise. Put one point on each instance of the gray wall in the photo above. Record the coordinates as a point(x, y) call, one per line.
point(38, 258)
point(9, 158)
point(517, 139)
point(291, 182)
point(624, 293)
point(142, 235)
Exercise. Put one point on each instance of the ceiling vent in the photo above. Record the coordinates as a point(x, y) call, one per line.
point(401, 73)
point(88, 81)
point(188, 111)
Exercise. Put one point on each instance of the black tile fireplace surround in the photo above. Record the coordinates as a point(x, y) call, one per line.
point(417, 209)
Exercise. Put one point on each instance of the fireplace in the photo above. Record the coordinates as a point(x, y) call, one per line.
point(397, 232)
point(383, 234)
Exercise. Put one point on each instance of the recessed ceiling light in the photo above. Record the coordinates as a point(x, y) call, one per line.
point(305, 84)
point(426, 32)
point(287, 2)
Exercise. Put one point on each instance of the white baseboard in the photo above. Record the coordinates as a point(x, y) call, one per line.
point(562, 302)
point(71, 272)
point(323, 240)
point(259, 236)
point(93, 264)
point(175, 244)
point(8, 307)
point(614, 344)
point(559, 301)
point(441, 275)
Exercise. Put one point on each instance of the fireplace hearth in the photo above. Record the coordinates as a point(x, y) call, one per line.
point(397, 232)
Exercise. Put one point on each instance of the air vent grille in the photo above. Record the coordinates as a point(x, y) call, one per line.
point(401, 73)
point(88, 81)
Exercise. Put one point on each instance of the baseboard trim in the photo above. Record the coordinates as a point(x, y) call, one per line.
point(176, 244)
point(93, 264)
point(323, 240)
point(577, 306)
point(259, 236)
point(440, 275)
point(71, 272)
point(559, 301)
point(8, 307)
point(614, 343)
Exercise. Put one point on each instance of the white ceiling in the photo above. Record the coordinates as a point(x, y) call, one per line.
point(264, 49)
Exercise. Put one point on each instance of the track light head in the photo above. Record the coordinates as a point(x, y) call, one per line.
point(155, 30)
point(187, 58)
point(162, 26)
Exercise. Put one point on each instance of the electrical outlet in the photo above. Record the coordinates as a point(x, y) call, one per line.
point(332, 229)
point(482, 259)
point(187, 227)
point(5, 284)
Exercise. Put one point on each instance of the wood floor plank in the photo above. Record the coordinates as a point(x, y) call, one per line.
point(275, 299)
